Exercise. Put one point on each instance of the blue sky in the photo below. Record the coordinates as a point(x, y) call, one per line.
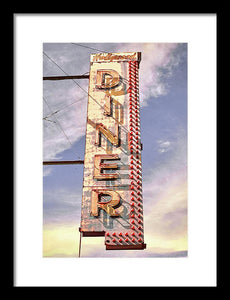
point(163, 96)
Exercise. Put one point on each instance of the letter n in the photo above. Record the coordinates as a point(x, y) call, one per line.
point(113, 138)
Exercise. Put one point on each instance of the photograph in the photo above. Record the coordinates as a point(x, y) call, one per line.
point(115, 150)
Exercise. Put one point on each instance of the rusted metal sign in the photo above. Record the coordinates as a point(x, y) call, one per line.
point(112, 204)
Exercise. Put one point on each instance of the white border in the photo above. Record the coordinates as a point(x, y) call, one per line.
point(199, 269)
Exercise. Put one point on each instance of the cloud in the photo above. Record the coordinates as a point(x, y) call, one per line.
point(65, 124)
point(167, 213)
point(61, 206)
point(60, 240)
point(165, 221)
point(157, 59)
point(163, 146)
point(157, 62)
point(47, 170)
point(168, 172)
point(65, 102)
point(165, 195)
point(165, 208)
point(164, 185)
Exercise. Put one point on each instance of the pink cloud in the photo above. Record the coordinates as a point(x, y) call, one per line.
point(154, 56)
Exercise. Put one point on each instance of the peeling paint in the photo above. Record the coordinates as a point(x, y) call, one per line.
point(113, 135)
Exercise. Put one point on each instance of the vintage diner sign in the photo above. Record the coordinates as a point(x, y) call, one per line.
point(112, 204)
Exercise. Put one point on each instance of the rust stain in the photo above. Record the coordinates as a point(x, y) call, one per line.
point(119, 112)
point(112, 185)
point(90, 122)
point(99, 166)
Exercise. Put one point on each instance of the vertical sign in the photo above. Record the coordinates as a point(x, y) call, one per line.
point(112, 186)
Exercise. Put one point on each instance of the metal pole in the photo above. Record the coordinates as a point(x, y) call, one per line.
point(64, 162)
point(66, 77)
point(79, 252)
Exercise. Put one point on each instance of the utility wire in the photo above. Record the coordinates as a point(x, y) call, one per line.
point(61, 109)
point(57, 122)
point(82, 88)
point(89, 47)
point(55, 63)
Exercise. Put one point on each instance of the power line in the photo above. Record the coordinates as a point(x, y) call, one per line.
point(65, 72)
point(89, 47)
point(55, 63)
point(61, 109)
point(61, 128)
point(83, 89)
point(123, 79)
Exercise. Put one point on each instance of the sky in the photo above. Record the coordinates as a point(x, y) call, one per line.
point(163, 115)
